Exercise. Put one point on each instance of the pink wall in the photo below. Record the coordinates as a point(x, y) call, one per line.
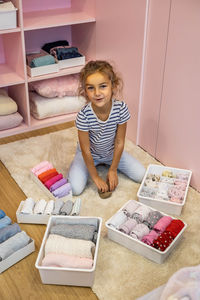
point(119, 39)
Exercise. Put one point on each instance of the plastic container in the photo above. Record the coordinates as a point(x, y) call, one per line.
point(140, 247)
point(8, 19)
point(68, 276)
point(71, 62)
point(17, 256)
point(164, 205)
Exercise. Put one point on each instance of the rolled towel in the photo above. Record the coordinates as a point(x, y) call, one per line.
point(40, 166)
point(67, 261)
point(76, 207)
point(47, 175)
point(49, 207)
point(13, 244)
point(152, 218)
point(83, 232)
point(163, 241)
point(75, 221)
point(67, 208)
point(139, 231)
point(43, 169)
point(162, 224)
point(5, 221)
point(175, 227)
point(128, 226)
point(42, 61)
point(62, 190)
point(40, 206)
point(59, 244)
point(58, 184)
point(149, 238)
point(28, 206)
point(53, 180)
point(8, 231)
point(118, 219)
point(2, 214)
point(57, 207)
point(130, 208)
point(141, 213)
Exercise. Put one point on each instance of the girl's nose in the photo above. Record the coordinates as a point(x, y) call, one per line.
point(97, 92)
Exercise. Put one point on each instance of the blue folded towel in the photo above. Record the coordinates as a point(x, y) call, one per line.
point(42, 61)
point(2, 214)
point(5, 221)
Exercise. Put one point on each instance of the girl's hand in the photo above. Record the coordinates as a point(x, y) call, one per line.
point(112, 179)
point(101, 184)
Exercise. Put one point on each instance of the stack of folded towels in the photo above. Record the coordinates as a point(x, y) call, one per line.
point(169, 186)
point(70, 245)
point(9, 116)
point(11, 237)
point(147, 225)
point(51, 207)
point(51, 179)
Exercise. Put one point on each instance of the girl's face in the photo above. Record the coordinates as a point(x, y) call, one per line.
point(98, 88)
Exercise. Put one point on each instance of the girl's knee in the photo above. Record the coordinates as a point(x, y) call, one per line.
point(140, 174)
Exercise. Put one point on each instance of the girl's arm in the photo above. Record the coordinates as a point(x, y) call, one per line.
point(119, 147)
point(87, 156)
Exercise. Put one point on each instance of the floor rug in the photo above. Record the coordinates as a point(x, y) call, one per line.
point(120, 273)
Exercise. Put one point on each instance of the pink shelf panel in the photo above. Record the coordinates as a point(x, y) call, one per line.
point(10, 30)
point(54, 18)
point(16, 130)
point(8, 76)
point(62, 72)
point(36, 124)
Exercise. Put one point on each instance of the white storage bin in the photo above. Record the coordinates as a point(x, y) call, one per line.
point(164, 205)
point(17, 256)
point(46, 191)
point(68, 276)
point(71, 62)
point(32, 72)
point(8, 19)
point(31, 218)
point(140, 247)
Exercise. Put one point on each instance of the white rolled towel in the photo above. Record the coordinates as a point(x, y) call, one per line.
point(59, 244)
point(76, 207)
point(49, 208)
point(40, 206)
point(28, 206)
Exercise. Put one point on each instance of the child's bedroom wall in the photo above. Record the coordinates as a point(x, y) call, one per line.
point(168, 124)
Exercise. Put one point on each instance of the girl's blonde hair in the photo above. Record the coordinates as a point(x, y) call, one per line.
point(103, 67)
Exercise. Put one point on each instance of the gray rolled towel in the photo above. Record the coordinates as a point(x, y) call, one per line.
point(83, 232)
point(58, 205)
point(67, 208)
point(8, 231)
point(14, 243)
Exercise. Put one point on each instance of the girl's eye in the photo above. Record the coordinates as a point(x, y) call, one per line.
point(90, 87)
point(103, 86)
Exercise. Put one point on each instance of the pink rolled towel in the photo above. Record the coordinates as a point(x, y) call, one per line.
point(162, 224)
point(130, 208)
point(149, 238)
point(128, 226)
point(39, 166)
point(53, 180)
point(67, 261)
point(43, 169)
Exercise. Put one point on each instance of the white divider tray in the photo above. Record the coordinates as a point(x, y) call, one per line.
point(166, 206)
point(140, 247)
point(68, 276)
point(47, 192)
point(17, 256)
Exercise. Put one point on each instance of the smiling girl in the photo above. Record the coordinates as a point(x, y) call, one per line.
point(101, 128)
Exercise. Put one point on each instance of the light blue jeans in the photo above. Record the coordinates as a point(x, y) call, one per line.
point(78, 172)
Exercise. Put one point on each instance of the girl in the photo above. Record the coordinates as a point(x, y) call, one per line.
point(101, 128)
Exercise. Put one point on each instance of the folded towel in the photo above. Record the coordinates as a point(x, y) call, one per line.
point(8, 231)
point(2, 214)
point(47, 175)
point(49, 207)
point(67, 208)
point(5, 221)
point(82, 231)
point(40, 206)
point(76, 207)
point(44, 60)
point(57, 207)
point(14, 243)
point(40, 166)
point(28, 206)
point(57, 184)
point(62, 190)
point(53, 180)
point(59, 244)
point(67, 261)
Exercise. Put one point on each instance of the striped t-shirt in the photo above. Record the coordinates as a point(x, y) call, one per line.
point(102, 133)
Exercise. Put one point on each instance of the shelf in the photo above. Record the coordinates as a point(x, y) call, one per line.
point(54, 18)
point(10, 30)
point(16, 130)
point(62, 72)
point(36, 124)
point(8, 76)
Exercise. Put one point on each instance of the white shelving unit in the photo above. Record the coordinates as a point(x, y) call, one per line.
point(39, 23)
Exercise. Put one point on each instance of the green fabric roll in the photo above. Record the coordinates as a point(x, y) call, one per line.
point(42, 61)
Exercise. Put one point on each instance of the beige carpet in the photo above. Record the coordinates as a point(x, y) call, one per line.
point(120, 273)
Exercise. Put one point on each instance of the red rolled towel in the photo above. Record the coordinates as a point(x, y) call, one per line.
point(53, 180)
point(47, 175)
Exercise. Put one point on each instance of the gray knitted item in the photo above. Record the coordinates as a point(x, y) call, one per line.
point(8, 231)
point(58, 205)
point(83, 232)
point(67, 208)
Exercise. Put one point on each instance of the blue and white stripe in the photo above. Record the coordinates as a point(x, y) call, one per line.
point(102, 133)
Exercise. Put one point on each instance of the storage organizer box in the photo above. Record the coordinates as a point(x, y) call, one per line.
point(17, 256)
point(166, 206)
point(140, 247)
point(46, 191)
point(31, 218)
point(8, 19)
point(68, 276)
point(71, 62)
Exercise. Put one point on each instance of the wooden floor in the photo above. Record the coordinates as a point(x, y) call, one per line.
point(22, 280)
